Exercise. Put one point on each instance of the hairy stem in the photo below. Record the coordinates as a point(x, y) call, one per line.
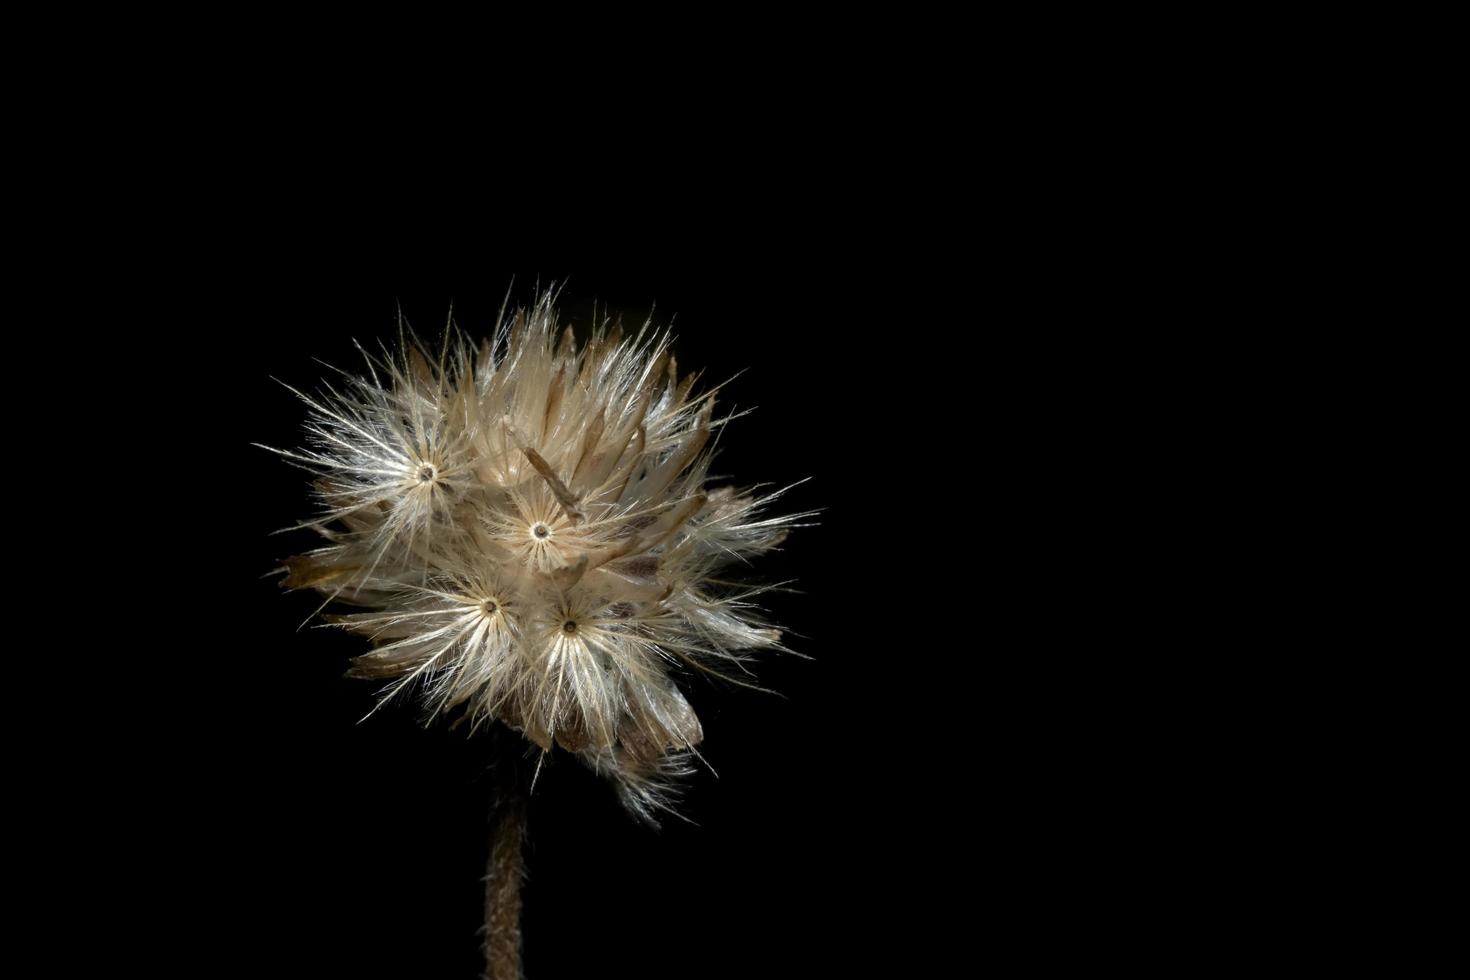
point(503, 875)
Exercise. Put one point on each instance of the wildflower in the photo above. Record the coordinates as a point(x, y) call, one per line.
point(525, 530)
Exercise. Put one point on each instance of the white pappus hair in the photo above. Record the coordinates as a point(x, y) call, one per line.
point(524, 530)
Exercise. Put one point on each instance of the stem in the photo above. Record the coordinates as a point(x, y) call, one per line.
point(503, 874)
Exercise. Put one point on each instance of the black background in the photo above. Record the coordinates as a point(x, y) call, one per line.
point(826, 843)
point(981, 367)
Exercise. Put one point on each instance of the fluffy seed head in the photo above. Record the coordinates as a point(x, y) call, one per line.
point(525, 531)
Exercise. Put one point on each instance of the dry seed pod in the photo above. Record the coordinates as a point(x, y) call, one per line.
point(524, 530)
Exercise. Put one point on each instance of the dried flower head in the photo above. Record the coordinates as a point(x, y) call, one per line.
point(526, 531)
